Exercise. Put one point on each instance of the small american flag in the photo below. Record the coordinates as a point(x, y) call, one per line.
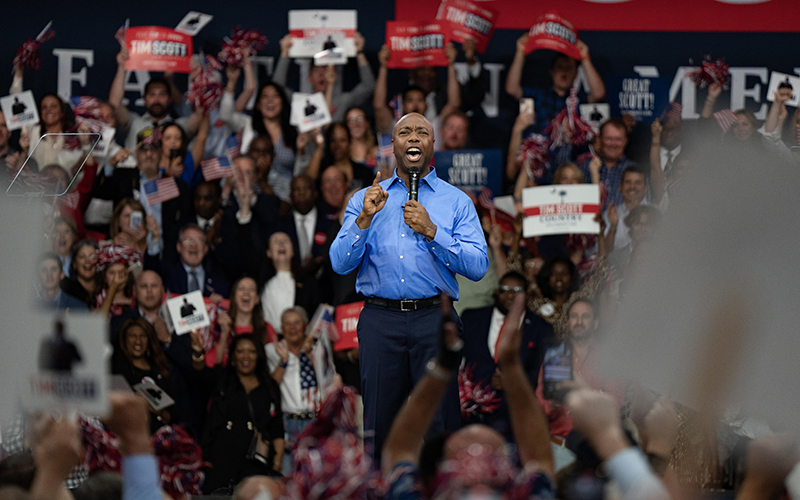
point(216, 168)
point(673, 111)
point(309, 388)
point(397, 106)
point(120, 36)
point(160, 190)
point(385, 149)
point(234, 145)
point(486, 199)
point(725, 119)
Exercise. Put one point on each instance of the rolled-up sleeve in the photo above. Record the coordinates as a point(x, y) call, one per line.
point(348, 248)
point(465, 251)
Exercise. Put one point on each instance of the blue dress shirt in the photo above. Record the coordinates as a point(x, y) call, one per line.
point(398, 263)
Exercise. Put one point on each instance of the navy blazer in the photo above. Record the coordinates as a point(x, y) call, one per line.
point(535, 332)
point(176, 281)
point(320, 236)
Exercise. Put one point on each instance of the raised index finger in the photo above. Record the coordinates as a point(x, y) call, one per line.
point(377, 179)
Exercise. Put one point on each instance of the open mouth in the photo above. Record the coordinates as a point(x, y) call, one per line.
point(413, 154)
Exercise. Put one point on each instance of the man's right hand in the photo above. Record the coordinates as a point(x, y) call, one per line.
point(522, 42)
point(384, 54)
point(123, 55)
point(374, 200)
point(286, 44)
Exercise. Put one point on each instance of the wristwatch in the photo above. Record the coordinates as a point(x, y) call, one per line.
point(437, 372)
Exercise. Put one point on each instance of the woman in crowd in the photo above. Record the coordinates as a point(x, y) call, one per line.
point(270, 117)
point(139, 358)
point(246, 317)
point(363, 144)
point(244, 428)
point(82, 268)
point(124, 233)
point(176, 159)
point(284, 283)
point(336, 154)
point(113, 293)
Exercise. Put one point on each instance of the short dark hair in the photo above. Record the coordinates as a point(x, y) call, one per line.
point(585, 301)
point(412, 88)
point(48, 256)
point(18, 470)
point(557, 57)
point(157, 80)
point(100, 486)
point(633, 169)
point(615, 122)
point(187, 227)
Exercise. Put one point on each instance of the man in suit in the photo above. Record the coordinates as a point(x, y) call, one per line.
point(305, 224)
point(117, 184)
point(481, 333)
point(192, 272)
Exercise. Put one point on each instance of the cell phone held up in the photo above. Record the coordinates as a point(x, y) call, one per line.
point(136, 220)
point(556, 367)
point(174, 153)
point(526, 105)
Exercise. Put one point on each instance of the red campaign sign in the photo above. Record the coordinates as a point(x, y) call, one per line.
point(553, 32)
point(346, 322)
point(154, 48)
point(416, 44)
point(464, 20)
point(619, 15)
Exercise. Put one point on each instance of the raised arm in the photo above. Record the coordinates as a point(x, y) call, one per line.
point(383, 114)
point(528, 421)
point(657, 181)
point(249, 85)
point(407, 435)
point(523, 121)
point(117, 91)
point(315, 164)
point(777, 113)
point(366, 84)
point(597, 89)
point(199, 147)
point(514, 77)
point(453, 86)
point(714, 90)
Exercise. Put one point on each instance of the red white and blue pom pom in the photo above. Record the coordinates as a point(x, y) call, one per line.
point(101, 447)
point(711, 72)
point(568, 127)
point(205, 90)
point(475, 397)
point(534, 155)
point(180, 460)
point(243, 42)
point(28, 54)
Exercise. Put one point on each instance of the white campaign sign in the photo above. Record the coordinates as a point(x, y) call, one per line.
point(560, 209)
point(595, 114)
point(67, 364)
point(188, 312)
point(316, 30)
point(193, 22)
point(154, 394)
point(19, 110)
point(775, 79)
point(309, 111)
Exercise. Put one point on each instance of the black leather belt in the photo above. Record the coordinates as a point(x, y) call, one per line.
point(300, 416)
point(405, 304)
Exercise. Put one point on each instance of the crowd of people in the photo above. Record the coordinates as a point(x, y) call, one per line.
point(264, 247)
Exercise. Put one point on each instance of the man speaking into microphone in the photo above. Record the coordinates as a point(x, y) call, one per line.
point(409, 251)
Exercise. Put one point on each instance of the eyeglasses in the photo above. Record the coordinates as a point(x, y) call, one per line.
point(195, 241)
point(515, 289)
point(355, 119)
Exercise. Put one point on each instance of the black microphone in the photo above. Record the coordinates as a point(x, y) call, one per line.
point(413, 183)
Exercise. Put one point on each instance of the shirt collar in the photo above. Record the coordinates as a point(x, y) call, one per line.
point(431, 179)
point(189, 269)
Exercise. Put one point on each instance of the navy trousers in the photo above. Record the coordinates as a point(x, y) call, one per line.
point(393, 349)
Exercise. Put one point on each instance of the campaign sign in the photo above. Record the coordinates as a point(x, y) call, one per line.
point(67, 364)
point(595, 114)
point(330, 57)
point(154, 394)
point(316, 30)
point(642, 97)
point(155, 48)
point(776, 79)
point(416, 44)
point(188, 312)
point(19, 110)
point(471, 169)
point(106, 138)
point(465, 20)
point(193, 22)
point(309, 111)
point(553, 32)
point(560, 209)
point(347, 322)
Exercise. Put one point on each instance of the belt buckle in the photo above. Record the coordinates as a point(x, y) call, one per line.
point(408, 305)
